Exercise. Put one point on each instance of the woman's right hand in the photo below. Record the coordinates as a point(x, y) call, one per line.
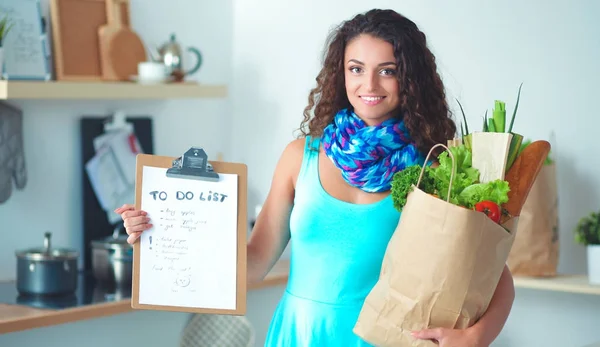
point(135, 221)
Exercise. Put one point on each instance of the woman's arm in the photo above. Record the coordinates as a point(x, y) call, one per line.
point(271, 233)
point(489, 326)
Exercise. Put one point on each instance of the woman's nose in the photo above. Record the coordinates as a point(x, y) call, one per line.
point(371, 81)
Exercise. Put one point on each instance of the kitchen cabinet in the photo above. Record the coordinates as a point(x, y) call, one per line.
point(16, 317)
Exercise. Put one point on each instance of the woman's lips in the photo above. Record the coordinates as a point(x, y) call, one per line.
point(372, 100)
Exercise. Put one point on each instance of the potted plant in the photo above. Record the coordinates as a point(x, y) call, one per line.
point(587, 233)
point(5, 26)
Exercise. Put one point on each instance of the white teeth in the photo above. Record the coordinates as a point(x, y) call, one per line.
point(372, 98)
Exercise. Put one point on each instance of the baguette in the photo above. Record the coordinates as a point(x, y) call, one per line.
point(522, 175)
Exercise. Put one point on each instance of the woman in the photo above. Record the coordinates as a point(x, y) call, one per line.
point(379, 106)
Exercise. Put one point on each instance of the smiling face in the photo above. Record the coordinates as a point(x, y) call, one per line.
point(370, 76)
point(182, 281)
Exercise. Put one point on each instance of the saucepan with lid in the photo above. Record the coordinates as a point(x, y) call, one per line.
point(112, 260)
point(47, 270)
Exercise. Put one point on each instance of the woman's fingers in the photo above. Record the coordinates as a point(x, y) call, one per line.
point(124, 208)
point(138, 228)
point(132, 214)
point(133, 221)
point(136, 231)
point(133, 237)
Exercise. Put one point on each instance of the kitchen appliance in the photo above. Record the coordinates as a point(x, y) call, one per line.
point(47, 271)
point(112, 260)
point(171, 54)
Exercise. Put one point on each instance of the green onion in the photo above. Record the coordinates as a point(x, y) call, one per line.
point(512, 121)
point(491, 125)
point(499, 115)
point(464, 118)
point(485, 122)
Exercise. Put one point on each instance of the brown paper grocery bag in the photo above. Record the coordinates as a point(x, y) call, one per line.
point(440, 269)
point(535, 251)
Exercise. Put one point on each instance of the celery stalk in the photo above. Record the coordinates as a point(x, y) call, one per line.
point(499, 115)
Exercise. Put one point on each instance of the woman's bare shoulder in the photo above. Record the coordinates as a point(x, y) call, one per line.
point(293, 152)
point(291, 158)
point(289, 163)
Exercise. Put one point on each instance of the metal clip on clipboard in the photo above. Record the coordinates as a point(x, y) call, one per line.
point(193, 165)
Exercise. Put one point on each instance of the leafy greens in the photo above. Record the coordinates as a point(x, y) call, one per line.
point(466, 189)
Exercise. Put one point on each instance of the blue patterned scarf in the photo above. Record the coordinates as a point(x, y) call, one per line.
point(369, 155)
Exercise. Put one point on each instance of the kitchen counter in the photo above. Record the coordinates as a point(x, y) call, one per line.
point(22, 316)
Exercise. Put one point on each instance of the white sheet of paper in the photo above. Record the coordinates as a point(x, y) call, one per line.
point(490, 152)
point(25, 54)
point(189, 257)
point(108, 182)
point(119, 142)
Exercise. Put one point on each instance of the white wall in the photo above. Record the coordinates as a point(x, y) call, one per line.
point(484, 52)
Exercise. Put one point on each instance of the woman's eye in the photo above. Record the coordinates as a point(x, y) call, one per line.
point(355, 69)
point(388, 72)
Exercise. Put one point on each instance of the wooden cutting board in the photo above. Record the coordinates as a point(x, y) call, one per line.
point(74, 30)
point(121, 49)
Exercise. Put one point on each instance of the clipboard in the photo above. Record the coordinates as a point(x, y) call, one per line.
point(193, 165)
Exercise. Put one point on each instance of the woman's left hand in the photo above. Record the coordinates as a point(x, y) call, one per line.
point(450, 337)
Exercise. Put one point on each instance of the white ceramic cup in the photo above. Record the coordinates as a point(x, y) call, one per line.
point(149, 71)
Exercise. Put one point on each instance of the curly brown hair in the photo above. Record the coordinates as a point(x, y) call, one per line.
point(423, 103)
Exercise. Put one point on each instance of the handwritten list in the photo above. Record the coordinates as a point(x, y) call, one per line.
point(25, 51)
point(188, 258)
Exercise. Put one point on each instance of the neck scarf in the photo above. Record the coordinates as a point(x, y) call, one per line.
point(369, 155)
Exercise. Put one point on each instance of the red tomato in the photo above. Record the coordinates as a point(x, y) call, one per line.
point(490, 208)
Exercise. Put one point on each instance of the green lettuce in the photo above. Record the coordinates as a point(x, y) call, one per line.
point(403, 183)
point(496, 191)
point(466, 188)
point(464, 174)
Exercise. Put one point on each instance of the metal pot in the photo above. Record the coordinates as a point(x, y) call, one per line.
point(112, 260)
point(47, 271)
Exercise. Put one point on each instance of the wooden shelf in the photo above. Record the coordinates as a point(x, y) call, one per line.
point(561, 283)
point(18, 317)
point(107, 90)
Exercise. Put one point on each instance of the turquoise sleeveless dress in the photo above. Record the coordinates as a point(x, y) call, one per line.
point(336, 253)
